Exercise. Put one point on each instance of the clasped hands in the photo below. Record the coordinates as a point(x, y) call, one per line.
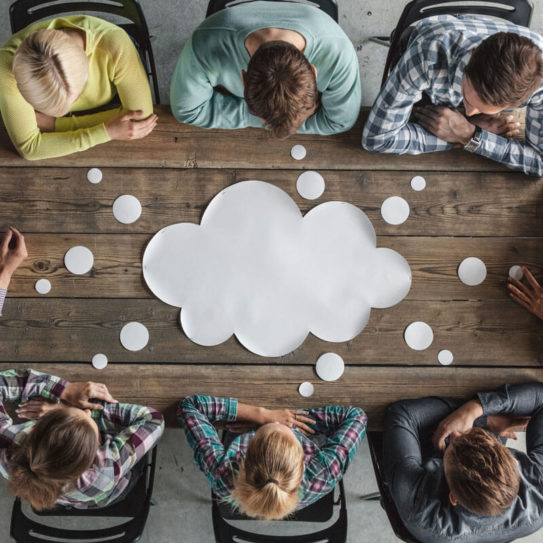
point(74, 395)
point(452, 126)
point(287, 417)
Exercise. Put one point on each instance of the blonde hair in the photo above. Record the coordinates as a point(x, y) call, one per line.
point(60, 447)
point(266, 485)
point(51, 70)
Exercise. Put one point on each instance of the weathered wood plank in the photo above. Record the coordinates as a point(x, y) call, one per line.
point(182, 146)
point(117, 265)
point(487, 333)
point(460, 204)
point(371, 388)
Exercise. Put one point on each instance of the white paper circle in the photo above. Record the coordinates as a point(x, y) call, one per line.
point(99, 361)
point(306, 389)
point(445, 357)
point(516, 272)
point(395, 210)
point(330, 367)
point(472, 271)
point(310, 185)
point(418, 183)
point(127, 209)
point(298, 152)
point(94, 175)
point(79, 260)
point(134, 336)
point(43, 286)
point(418, 335)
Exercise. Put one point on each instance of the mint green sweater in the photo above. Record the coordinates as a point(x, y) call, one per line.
point(215, 55)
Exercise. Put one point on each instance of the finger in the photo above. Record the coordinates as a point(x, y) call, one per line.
point(515, 283)
point(427, 114)
point(439, 439)
point(18, 238)
point(6, 238)
point(89, 405)
point(509, 435)
point(31, 403)
point(522, 302)
point(132, 115)
point(304, 427)
point(530, 278)
point(305, 419)
point(105, 395)
point(518, 294)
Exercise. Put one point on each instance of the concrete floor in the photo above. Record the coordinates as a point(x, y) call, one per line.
point(182, 511)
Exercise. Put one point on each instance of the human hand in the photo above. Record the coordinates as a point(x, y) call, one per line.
point(12, 253)
point(46, 123)
point(290, 418)
point(505, 426)
point(501, 125)
point(445, 123)
point(34, 409)
point(529, 296)
point(460, 421)
point(79, 394)
point(127, 127)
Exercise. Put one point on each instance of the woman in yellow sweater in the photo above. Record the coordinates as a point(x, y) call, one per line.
point(70, 64)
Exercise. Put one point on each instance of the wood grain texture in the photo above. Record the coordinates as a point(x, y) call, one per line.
point(117, 271)
point(453, 204)
point(371, 388)
point(175, 145)
point(488, 333)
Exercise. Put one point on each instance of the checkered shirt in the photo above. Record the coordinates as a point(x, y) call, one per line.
point(438, 51)
point(344, 428)
point(127, 433)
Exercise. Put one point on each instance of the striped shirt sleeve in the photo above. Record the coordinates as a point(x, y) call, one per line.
point(3, 293)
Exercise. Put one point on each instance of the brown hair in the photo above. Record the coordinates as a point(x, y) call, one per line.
point(266, 485)
point(482, 473)
point(50, 68)
point(505, 69)
point(280, 87)
point(60, 447)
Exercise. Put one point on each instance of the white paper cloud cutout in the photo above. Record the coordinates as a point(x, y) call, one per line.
point(256, 268)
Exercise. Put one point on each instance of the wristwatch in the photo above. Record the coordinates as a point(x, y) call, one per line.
point(475, 140)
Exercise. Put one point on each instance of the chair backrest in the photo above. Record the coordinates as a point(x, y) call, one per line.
point(328, 6)
point(25, 12)
point(135, 504)
point(518, 12)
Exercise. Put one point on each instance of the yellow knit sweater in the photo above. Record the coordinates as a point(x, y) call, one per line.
point(114, 67)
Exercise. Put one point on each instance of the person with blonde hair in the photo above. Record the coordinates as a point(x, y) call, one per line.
point(56, 67)
point(74, 451)
point(276, 469)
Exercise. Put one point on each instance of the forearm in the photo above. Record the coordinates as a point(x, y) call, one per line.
point(76, 122)
point(514, 400)
point(21, 385)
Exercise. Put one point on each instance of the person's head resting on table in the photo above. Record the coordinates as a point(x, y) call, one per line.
point(51, 69)
point(482, 474)
point(280, 87)
point(60, 447)
point(267, 483)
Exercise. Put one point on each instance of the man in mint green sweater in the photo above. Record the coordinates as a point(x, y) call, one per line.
point(282, 65)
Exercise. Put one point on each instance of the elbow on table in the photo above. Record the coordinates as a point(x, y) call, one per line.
point(378, 144)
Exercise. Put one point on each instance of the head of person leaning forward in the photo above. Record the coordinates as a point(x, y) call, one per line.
point(482, 474)
point(281, 87)
point(267, 483)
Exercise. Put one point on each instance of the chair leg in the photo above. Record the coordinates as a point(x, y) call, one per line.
point(371, 496)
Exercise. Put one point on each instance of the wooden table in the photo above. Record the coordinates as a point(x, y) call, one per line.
point(471, 207)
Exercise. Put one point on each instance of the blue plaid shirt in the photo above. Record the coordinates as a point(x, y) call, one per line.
point(437, 54)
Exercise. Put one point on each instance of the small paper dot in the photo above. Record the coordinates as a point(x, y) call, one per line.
point(395, 210)
point(94, 175)
point(445, 357)
point(330, 367)
point(418, 183)
point(127, 209)
point(43, 286)
point(516, 272)
point(310, 185)
point(134, 336)
point(79, 260)
point(306, 389)
point(99, 361)
point(298, 152)
point(472, 271)
point(418, 335)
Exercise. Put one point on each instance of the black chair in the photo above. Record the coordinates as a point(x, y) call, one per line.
point(320, 511)
point(25, 12)
point(375, 443)
point(518, 12)
point(135, 504)
point(328, 6)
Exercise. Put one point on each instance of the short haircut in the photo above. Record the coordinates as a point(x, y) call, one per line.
point(482, 473)
point(50, 68)
point(280, 87)
point(505, 69)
